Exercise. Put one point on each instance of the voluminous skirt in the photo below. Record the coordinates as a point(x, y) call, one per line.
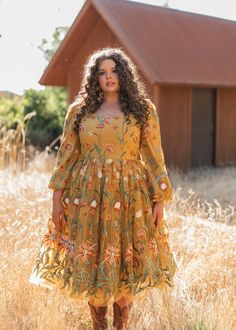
point(109, 246)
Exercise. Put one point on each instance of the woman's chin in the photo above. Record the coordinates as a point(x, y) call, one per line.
point(111, 89)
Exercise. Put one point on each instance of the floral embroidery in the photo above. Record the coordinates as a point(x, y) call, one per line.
point(85, 250)
point(112, 254)
point(110, 172)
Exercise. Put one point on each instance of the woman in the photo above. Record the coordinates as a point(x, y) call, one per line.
point(107, 239)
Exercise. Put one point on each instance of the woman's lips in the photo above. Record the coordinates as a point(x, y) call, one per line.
point(110, 83)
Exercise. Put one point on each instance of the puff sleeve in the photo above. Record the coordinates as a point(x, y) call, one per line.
point(151, 153)
point(67, 154)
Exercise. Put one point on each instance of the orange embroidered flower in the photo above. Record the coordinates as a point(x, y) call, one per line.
point(112, 254)
point(67, 247)
point(129, 254)
point(110, 147)
point(69, 146)
point(141, 233)
point(86, 250)
point(49, 239)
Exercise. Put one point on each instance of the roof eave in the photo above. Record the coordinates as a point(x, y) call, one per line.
point(45, 78)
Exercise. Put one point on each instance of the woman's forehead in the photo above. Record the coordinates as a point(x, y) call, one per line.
point(107, 63)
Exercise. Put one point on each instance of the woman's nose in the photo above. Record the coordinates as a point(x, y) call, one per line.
point(108, 75)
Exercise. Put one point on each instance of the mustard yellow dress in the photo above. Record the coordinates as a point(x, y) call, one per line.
point(110, 173)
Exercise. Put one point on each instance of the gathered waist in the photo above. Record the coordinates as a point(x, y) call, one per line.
point(117, 163)
point(109, 160)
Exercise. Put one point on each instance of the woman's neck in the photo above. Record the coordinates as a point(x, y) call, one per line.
point(111, 99)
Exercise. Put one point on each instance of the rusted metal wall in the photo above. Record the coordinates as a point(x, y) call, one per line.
point(174, 109)
point(100, 36)
point(226, 127)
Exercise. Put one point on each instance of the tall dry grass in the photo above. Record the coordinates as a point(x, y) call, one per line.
point(12, 145)
point(202, 229)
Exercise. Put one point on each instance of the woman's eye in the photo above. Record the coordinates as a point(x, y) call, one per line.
point(101, 73)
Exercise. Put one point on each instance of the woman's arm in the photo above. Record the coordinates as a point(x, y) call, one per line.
point(160, 189)
point(68, 153)
point(67, 156)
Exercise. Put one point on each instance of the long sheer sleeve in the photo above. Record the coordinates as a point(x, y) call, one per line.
point(151, 152)
point(67, 154)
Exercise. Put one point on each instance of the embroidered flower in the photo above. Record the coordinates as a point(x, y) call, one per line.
point(138, 214)
point(112, 254)
point(94, 203)
point(129, 254)
point(86, 250)
point(67, 247)
point(163, 185)
point(76, 201)
point(69, 146)
point(141, 233)
point(49, 239)
point(117, 205)
point(110, 147)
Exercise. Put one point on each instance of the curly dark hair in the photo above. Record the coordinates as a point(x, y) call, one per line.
point(132, 93)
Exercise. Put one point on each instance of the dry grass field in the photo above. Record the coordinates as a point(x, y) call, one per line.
point(201, 221)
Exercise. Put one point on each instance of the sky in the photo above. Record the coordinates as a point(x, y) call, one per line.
point(24, 23)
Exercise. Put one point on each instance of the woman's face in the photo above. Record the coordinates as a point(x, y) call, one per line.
point(108, 77)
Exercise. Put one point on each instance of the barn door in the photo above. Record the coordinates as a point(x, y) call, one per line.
point(203, 126)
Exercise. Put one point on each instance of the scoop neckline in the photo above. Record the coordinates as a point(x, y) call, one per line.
point(108, 117)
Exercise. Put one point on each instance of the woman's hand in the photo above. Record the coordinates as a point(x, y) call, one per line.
point(157, 212)
point(57, 210)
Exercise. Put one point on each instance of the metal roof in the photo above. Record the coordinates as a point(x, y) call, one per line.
point(170, 46)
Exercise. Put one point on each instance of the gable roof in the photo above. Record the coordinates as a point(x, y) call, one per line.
point(170, 46)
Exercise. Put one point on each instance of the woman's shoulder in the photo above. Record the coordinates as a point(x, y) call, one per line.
point(150, 104)
point(74, 108)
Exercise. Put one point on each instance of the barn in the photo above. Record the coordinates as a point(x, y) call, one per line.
point(188, 62)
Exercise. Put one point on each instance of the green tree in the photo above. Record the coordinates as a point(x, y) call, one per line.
point(11, 110)
point(50, 108)
point(49, 104)
point(48, 49)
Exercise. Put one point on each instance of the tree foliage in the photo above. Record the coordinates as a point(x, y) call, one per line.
point(50, 104)
point(50, 107)
point(11, 110)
